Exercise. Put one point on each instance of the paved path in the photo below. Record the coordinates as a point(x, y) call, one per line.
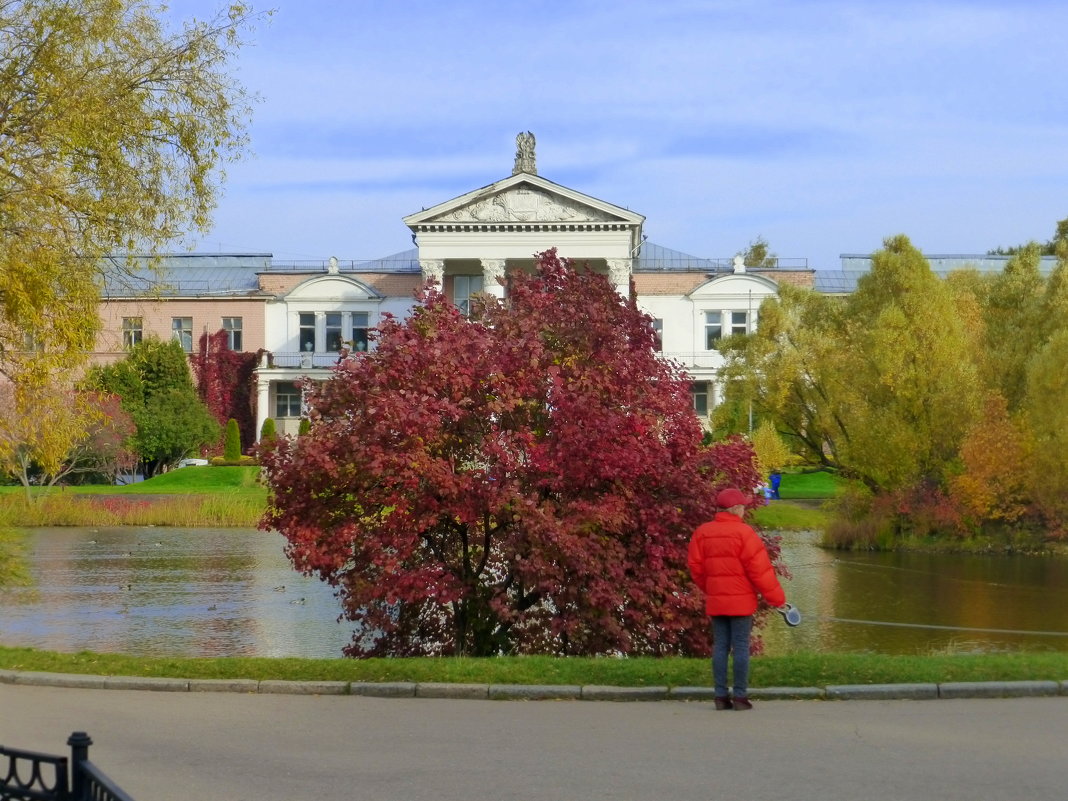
point(171, 746)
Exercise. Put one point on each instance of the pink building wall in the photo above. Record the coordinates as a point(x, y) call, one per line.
point(156, 316)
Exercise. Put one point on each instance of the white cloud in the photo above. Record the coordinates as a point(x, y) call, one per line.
point(822, 125)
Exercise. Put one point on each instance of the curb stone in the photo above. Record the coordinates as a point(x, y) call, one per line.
point(997, 689)
point(146, 683)
point(305, 687)
point(596, 692)
point(81, 681)
point(788, 693)
point(881, 692)
point(223, 685)
point(535, 692)
point(445, 690)
point(842, 692)
point(385, 689)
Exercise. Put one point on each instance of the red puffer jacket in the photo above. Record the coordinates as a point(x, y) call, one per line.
point(729, 562)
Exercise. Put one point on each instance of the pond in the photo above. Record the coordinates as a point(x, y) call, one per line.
point(231, 592)
point(170, 592)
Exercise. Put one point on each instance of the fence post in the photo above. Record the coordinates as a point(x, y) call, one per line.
point(79, 743)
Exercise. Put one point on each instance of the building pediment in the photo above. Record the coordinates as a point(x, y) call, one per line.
point(735, 285)
point(523, 199)
point(332, 288)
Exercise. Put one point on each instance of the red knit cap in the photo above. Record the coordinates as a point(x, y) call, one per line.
point(731, 497)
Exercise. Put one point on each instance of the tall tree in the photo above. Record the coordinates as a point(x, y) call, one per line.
point(525, 480)
point(788, 369)
point(42, 427)
point(759, 254)
point(113, 130)
point(1013, 324)
point(1047, 418)
point(156, 387)
point(909, 390)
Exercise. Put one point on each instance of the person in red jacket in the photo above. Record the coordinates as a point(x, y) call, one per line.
point(730, 564)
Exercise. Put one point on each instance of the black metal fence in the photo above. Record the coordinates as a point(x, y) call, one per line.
point(30, 776)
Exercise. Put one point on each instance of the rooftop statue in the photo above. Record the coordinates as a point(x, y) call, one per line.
point(524, 154)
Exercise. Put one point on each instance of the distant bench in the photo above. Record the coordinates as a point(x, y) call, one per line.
point(29, 776)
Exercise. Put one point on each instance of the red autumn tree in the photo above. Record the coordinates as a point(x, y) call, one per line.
point(523, 481)
point(224, 380)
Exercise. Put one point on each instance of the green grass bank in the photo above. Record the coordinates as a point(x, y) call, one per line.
point(797, 670)
point(234, 497)
point(192, 497)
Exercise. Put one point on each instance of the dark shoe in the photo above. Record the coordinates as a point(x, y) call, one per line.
point(723, 703)
point(742, 704)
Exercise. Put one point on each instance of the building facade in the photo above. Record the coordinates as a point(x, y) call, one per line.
point(300, 318)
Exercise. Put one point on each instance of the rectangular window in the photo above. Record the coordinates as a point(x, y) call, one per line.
point(361, 322)
point(463, 288)
point(739, 322)
point(699, 391)
point(232, 327)
point(713, 328)
point(32, 342)
point(307, 333)
point(287, 399)
point(658, 328)
point(132, 331)
point(182, 330)
point(333, 331)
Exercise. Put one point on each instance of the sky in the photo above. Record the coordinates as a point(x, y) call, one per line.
point(821, 126)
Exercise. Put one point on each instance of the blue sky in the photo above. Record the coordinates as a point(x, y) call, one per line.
point(821, 126)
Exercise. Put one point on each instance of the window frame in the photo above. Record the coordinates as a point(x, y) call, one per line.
point(462, 300)
point(288, 391)
point(181, 332)
point(133, 332)
point(234, 334)
point(713, 330)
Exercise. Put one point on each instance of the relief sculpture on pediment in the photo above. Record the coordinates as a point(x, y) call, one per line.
point(525, 205)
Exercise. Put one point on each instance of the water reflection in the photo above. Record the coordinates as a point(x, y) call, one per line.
point(907, 603)
point(231, 592)
point(170, 592)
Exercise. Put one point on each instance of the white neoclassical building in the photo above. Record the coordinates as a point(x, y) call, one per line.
point(300, 316)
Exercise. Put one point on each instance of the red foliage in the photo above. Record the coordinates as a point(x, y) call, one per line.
point(224, 383)
point(107, 446)
point(924, 510)
point(523, 481)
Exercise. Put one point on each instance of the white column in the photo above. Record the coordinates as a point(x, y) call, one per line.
point(492, 274)
point(433, 270)
point(263, 403)
point(619, 274)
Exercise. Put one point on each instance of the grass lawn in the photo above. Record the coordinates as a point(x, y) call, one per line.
point(189, 480)
point(207, 497)
point(819, 484)
point(785, 516)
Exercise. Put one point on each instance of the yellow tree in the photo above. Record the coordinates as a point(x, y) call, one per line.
point(113, 133)
point(787, 369)
point(1047, 418)
point(1013, 323)
point(909, 388)
point(995, 462)
point(40, 426)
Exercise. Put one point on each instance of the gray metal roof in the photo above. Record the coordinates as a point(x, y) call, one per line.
point(657, 258)
point(407, 261)
point(855, 265)
point(185, 275)
point(943, 264)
